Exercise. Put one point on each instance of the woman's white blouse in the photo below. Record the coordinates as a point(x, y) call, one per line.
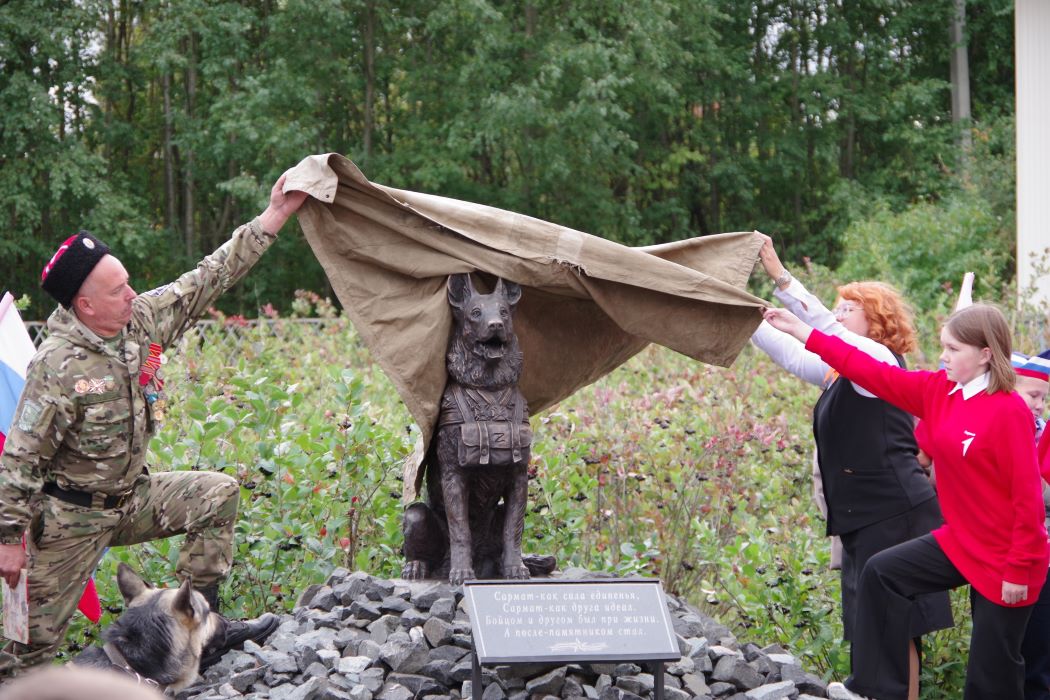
point(792, 355)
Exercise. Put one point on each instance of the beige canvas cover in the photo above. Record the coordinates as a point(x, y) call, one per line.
point(588, 304)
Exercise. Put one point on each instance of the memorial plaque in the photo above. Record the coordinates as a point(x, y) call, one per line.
point(591, 620)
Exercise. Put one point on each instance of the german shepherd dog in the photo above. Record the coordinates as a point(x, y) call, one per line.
point(159, 637)
point(480, 454)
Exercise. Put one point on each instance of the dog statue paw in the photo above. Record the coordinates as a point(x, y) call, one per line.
point(457, 576)
point(414, 570)
point(517, 572)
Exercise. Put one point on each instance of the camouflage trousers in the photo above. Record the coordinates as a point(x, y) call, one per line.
point(66, 542)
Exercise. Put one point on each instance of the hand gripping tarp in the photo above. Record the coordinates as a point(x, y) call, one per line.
point(588, 304)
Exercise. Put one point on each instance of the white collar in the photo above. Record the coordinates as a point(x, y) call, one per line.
point(971, 388)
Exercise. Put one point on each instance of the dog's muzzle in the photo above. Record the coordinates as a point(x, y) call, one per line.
point(491, 349)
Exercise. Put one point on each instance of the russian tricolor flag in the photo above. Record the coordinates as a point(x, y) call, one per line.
point(16, 350)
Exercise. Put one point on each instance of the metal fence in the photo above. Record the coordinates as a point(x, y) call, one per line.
point(37, 331)
point(1032, 332)
point(231, 333)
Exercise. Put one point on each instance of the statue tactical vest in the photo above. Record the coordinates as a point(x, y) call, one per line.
point(494, 425)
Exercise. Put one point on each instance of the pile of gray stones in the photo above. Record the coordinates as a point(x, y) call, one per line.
point(358, 637)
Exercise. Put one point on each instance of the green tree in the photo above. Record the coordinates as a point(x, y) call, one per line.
point(52, 182)
point(161, 123)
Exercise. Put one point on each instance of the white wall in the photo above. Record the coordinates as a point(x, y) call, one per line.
point(1032, 32)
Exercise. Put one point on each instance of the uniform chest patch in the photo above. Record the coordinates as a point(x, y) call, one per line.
point(93, 386)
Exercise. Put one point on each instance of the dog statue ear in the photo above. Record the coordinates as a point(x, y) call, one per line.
point(511, 291)
point(183, 603)
point(460, 289)
point(131, 585)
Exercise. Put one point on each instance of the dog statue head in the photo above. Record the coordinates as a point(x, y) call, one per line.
point(483, 350)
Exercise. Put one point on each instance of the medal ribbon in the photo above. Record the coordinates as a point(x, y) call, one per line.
point(151, 365)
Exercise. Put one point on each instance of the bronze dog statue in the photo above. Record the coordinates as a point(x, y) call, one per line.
point(480, 453)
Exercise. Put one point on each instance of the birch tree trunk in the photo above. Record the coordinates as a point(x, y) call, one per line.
point(188, 194)
point(370, 75)
point(960, 73)
point(170, 214)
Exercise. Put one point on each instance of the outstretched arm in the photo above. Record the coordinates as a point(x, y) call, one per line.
point(801, 302)
point(767, 255)
point(281, 206)
point(904, 389)
point(788, 352)
point(783, 349)
point(787, 322)
point(171, 309)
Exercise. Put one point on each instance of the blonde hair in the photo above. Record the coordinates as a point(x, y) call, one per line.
point(889, 316)
point(984, 326)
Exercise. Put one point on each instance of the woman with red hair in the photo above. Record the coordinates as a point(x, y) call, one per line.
point(877, 493)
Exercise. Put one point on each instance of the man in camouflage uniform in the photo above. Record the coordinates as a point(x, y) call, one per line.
point(73, 469)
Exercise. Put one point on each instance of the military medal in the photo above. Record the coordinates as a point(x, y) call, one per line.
point(157, 405)
point(156, 400)
point(151, 365)
point(82, 386)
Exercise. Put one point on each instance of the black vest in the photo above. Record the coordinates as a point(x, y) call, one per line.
point(866, 450)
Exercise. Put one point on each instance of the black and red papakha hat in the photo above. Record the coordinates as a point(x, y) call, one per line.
point(71, 264)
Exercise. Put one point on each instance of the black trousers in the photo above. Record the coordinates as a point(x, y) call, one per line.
point(888, 586)
point(934, 610)
point(1036, 650)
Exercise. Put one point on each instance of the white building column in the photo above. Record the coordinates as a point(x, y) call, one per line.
point(1032, 62)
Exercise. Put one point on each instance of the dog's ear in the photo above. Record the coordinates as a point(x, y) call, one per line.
point(511, 291)
point(460, 289)
point(131, 585)
point(183, 603)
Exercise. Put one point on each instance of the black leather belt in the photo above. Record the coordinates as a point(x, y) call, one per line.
point(84, 499)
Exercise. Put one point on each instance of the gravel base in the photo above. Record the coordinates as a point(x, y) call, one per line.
point(359, 637)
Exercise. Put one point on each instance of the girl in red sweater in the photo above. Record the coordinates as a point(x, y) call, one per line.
point(981, 437)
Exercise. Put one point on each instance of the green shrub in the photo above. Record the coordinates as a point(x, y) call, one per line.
point(926, 249)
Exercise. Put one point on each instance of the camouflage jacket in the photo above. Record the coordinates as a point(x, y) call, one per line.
point(83, 420)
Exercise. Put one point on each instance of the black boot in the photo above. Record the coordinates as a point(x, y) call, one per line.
point(232, 634)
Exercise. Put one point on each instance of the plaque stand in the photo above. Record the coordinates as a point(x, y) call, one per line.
point(657, 668)
point(563, 621)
